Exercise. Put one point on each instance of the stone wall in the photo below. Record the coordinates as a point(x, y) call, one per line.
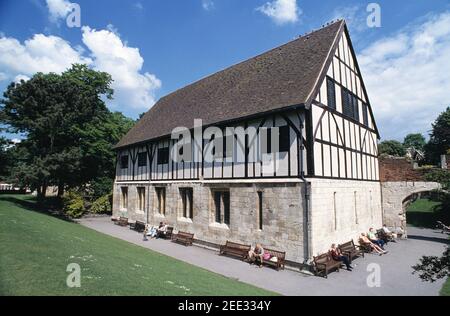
point(341, 210)
point(398, 169)
point(394, 195)
point(282, 213)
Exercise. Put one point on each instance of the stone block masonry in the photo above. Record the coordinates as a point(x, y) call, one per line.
point(282, 213)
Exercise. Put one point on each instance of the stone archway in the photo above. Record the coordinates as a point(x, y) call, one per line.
point(397, 196)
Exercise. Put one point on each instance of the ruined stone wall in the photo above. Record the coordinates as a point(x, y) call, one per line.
point(398, 169)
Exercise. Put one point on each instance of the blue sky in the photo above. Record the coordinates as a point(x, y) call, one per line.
point(154, 47)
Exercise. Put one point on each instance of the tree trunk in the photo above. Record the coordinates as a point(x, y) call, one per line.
point(60, 189)
point(42, 191)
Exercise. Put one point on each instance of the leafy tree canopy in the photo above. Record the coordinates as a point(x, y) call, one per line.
point(439, 143)
point(69, 130)
point(392, 147)
point(414, 140)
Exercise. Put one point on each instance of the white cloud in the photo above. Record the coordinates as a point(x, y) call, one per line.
point(58, 9)
point(355, 17)
point(19, 78)
point(104, 51)
point(281, 11)
point(3, 76)
point(207, 5)
point(132, 87)
point(407, 76)
point(139, 6)
point(41, 53)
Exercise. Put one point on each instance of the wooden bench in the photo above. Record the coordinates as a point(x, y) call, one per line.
point(325, 263)
point(167, 234)
point(235, 249)
point(122, 221)
point(351, 250)
point(280, 255)
point(183, 238)
point(367, 248)
point(383, 236)
point(138, 226)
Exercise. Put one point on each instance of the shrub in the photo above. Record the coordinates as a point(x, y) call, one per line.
point(439, 175)
point(102, 205)
point(73, 204)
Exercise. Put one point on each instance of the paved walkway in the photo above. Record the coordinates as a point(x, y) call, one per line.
point(395, 267)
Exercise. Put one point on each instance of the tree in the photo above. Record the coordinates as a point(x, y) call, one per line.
point(3, 156)
point(54, 112)
point(416, 141)
point(432, 268)
point(392, 147)
point(439, 143)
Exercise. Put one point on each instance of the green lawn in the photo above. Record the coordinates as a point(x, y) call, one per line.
point(35, 250)
point(445, 291)
point(420, 213)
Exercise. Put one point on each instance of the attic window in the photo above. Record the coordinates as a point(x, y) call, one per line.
point(365, 114)
point(331, 93)
point(350, 104)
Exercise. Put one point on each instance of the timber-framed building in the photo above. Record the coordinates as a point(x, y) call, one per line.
point(321, 184)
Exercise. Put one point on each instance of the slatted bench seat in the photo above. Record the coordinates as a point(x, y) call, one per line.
point(122, 221)
point(383, 236)
point(183, 238)
point(351, 250)
point(235, 249)
point(138, 226)
point(325, 263)
point(280, 255)
point(168, 234)
point(365, 247)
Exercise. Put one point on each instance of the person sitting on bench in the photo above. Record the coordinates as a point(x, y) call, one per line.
point(161, 231)
point(151, 231)
point(373, 238)
point(337, 255)
point(373, 246)
point(256, 254)
point(388, 232)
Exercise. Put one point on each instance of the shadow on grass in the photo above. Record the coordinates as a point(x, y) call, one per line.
point(422, 219)
point(49, 207)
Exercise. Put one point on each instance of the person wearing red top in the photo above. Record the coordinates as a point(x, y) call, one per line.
point(337, 255)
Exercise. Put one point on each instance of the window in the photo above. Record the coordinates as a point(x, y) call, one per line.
point(142, 159)
point(284, 139)
point(260, 210)
point(350, 104)
point(227, 152)
point(161, 200)
point(187, 202)
point(365, 114)
point(163, 156)
point(222, 207)
point(141, 198)
point(355, 107)
point(124, 162)
point(347, 107)
point(124, 200)
point(331, 93)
